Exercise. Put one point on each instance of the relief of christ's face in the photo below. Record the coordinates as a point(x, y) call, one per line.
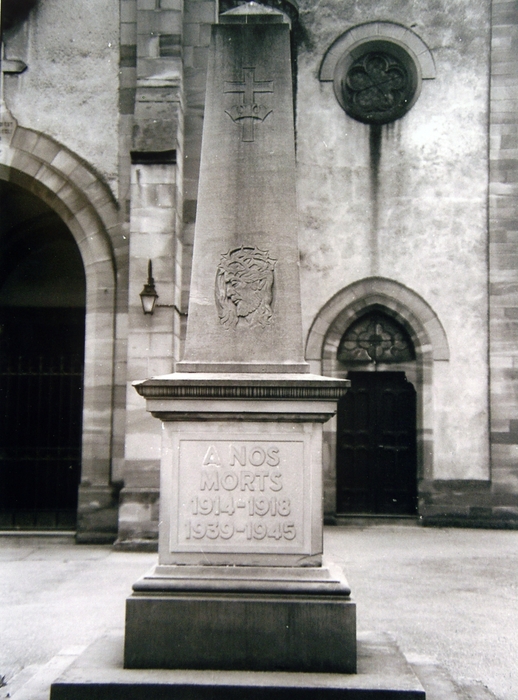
point(244, 283)
point(247, 296)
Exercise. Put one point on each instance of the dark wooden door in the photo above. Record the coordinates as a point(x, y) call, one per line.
point(376, 446)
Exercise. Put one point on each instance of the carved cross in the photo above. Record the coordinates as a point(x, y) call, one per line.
point(248, 111)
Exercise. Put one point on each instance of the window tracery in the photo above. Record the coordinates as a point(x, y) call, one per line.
point(378, 338)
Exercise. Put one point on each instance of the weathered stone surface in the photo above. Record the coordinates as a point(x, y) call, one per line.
point(242, 631)
point(57, 66)
point(241, 463)
point(406, 208)
point(382, 673)
point(244, 307)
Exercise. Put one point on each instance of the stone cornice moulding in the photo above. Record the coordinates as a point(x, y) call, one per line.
point(248, 386)
point(372, 31)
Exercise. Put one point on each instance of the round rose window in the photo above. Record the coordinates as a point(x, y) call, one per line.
point(377, 83)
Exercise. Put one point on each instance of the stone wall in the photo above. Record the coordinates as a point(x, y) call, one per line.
point(401, 213)
point(410, 207)
point(65, 150)
point(70, 88)
point(477, 503)
point(502, 502)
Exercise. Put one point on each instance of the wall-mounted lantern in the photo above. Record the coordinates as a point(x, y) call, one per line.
point(148, 295)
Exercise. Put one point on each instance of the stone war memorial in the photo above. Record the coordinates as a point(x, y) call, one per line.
point(241, 603)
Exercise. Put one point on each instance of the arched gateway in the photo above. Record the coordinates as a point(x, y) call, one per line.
point(82, 217)
point(42, 329)
point(385, 339)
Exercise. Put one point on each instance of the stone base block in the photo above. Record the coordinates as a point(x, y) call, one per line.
point(383, 674)
point(97, 513)
point(255, 632)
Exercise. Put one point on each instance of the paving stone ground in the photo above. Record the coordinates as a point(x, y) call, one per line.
point(448, 596)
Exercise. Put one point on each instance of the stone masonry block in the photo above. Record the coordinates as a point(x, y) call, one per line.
point(72, 197)
point(24, 139)
point(98, 194)
point(90, 225)
point(200, 57)
point(128, 33)
point(241, 632)
point(128, 77)
point(161, 365)
point(205, 34)
point(127, 100)
point(191, 34)
point(200, 12)
point(147, 47)
point(128, 10)
point(161, 345)
point(188, 56)
point(50, 178)
point(26, 163)
point(46, 149)
point(82, 177)
point(171, 4)
point(64, 162)
point(170, 22)
point(314, 346)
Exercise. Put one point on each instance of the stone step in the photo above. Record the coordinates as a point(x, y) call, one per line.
point(383, 674)
point(33, 683)
point(439, 685)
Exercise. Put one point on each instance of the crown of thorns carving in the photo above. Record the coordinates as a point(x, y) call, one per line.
point(246, 262)
point(244, 283)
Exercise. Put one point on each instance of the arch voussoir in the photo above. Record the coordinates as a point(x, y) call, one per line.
point(351, 302)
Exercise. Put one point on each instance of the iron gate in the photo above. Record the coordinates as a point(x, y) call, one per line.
point(40, 440)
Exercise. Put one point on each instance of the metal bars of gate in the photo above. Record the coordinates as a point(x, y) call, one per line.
point(40, 440)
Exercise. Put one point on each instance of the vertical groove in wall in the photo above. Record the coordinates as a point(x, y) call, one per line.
point(375, 141)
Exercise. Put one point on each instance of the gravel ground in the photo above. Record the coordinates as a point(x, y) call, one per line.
point(447, 595)
point(443, 593)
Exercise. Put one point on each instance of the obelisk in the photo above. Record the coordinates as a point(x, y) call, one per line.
point(244, 306)
point(240, 582)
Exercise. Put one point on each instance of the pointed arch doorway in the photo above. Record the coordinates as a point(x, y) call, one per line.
point(42, 324)
point(376, 423)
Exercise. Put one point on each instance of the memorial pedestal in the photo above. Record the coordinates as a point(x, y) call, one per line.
point(240, 583)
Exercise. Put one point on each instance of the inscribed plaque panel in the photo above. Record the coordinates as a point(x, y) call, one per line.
point(239, 496)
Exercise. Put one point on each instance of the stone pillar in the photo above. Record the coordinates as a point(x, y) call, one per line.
point(152, 343)
point(240, 582)
point(155, 223)
point(502, 505)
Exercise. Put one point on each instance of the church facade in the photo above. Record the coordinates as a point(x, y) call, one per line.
point(406, 123)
